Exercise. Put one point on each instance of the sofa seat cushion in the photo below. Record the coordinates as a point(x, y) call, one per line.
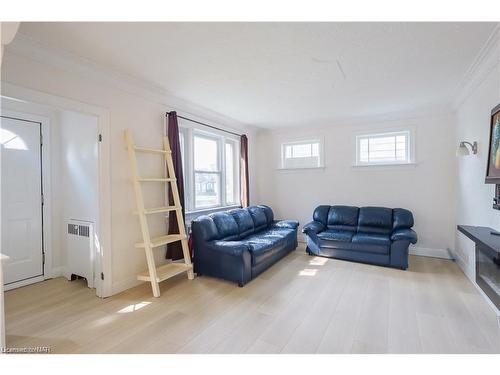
point(372, 238)
point(371, 243)
point(358, 247)
point(359, 242)
point(336, 235)
point(266, 243)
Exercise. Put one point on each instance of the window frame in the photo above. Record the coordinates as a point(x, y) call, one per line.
point(236, 175)
point(409, 144)
point(189, 132)
point(218, 172)
point(305, 141)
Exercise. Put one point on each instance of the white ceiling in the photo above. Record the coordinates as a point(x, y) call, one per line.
point(284, 74)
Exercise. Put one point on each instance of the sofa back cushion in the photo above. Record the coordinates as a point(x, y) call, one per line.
point(269, 213)
point(342, 218)
point(259, 217)
point(204, 229)
point(226, 226)
point(244, 221)
point(375, 220)
point(321, 214)
point(402, 219)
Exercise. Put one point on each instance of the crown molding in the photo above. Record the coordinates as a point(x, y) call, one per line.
point(487, 59)
point(27, 47)
point(409, 116)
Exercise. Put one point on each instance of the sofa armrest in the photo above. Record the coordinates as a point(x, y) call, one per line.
point(313, 227)
point(404, 234)
point(230, 260)
point(289, 224)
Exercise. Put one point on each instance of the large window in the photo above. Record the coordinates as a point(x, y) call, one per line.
point(301, 154)
point(210, 164)
point(384, 148)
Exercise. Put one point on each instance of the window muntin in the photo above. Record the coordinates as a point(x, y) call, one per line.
point(182, 143)
point(383, 148)
point(231, 172)
point(301, 154)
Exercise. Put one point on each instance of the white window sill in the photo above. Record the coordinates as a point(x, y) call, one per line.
point(194, 214)
point(412, 164)
point(299, 168)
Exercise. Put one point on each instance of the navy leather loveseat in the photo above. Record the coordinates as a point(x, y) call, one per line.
point(375, 235)
point(238, 245)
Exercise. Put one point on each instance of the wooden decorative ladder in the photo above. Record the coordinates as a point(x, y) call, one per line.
point(157, 274)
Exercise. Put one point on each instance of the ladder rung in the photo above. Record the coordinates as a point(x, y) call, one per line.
point(157, 210)
point(151, 150)
point(166, 271)
point(162, 240)
point(143, 179)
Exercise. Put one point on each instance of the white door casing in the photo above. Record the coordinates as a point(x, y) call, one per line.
point(104, 285)
point(21, 177)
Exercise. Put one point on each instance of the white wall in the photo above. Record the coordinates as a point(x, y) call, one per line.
point(79, 166)
point(75, 176)
point(141, 112)
point(71, 139)
point(427, 188)
point(472, 121)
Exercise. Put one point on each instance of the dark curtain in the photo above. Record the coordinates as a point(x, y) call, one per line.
point(244, 184)
point(174, 249)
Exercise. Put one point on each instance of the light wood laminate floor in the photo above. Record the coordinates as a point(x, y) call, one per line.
point(302, 304)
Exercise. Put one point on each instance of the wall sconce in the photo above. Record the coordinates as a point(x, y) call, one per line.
point(463, 150)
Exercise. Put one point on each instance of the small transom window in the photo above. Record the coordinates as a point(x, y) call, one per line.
point(301, 154)
point(383, 148)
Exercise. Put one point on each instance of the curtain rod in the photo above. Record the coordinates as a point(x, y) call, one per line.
point(210, 126)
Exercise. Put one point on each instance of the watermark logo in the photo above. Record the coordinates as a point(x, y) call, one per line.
point(26, 350)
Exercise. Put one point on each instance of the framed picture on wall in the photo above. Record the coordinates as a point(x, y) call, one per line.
point(493, 166)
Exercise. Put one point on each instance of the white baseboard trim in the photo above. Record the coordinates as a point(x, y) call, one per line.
point(430, 252)
point(19, 284)
point(123, 285)
point(130, 282)
point(56, 272)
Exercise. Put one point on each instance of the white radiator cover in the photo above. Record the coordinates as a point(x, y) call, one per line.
point(81, 250)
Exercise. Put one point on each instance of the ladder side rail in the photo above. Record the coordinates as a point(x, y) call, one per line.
point(142, 217)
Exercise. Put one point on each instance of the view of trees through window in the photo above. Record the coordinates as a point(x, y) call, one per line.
point(206, 172)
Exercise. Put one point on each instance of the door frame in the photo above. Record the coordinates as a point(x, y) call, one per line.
point(46, 204)
point(103, 258)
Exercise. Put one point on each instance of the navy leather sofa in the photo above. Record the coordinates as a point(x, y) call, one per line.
point(375, 235)
point(238, 245)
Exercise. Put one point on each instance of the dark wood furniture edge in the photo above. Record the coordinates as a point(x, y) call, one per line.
point(478, 240)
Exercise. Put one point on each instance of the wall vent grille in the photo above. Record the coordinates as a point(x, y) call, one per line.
point(79, 230)
point(83, 230)
point(73, 229)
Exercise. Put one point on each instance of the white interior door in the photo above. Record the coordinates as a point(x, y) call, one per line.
point(21, 173)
